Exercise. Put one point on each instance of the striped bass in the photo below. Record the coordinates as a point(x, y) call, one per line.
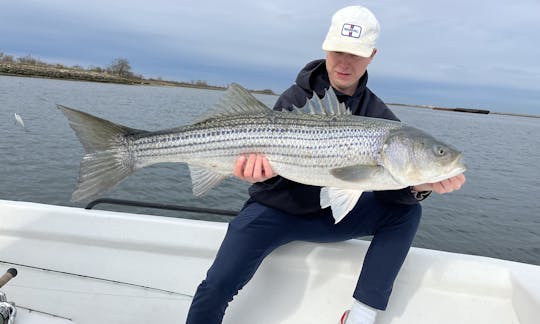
point(320, 144)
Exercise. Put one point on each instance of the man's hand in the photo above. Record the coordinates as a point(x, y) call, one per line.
point(253, 168)
point(444, 186)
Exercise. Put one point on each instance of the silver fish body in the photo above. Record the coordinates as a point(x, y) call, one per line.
point(298, 146)
point(319, 144)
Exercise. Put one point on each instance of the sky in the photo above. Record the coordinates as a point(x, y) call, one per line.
point(460, 53)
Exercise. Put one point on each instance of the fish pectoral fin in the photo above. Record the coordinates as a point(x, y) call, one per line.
point(357, 173)
point(342, 201)
point(204, 179)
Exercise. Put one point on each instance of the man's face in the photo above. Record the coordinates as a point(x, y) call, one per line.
point(345, 70)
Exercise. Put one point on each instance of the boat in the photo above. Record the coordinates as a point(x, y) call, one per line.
point(95, 266)
point(465, 110)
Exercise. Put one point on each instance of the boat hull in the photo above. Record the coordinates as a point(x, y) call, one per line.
point(92, 266)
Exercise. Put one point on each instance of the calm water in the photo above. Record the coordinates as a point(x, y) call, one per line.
point(496, 214)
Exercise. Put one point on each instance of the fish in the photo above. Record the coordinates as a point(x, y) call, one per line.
point(19, 120)
point(320, 144)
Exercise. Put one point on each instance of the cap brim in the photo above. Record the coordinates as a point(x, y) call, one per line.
point(363, 51)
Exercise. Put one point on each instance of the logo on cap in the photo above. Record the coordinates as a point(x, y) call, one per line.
point(351, 30)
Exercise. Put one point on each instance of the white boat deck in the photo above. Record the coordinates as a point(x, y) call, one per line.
point(107, 267)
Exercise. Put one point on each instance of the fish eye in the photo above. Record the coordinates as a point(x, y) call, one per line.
point(439, 150)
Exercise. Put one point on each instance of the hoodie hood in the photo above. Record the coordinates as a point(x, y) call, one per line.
point(313, 77)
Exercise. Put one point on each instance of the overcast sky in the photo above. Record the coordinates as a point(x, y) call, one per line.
point(451, 53)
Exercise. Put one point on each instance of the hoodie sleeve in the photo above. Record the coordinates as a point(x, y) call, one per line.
point(405, 196)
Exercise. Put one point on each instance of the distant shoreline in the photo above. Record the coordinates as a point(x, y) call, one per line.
point(73, 74)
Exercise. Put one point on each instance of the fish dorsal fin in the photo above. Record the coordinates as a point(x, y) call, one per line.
point(329, 105)
point(236, 100)
point(204, 179)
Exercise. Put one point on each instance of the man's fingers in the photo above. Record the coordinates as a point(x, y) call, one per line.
point(248, 168)
point(458, 181)
point(239, 166)
point(253, 168)
point(438, 187)
point(268, 172)
point(449, 185)
point(445, 186)
point(257, 168)
point(453, 183)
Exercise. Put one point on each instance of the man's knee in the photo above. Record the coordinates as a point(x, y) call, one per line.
point(411, 215)
point(414, 211)
point(218, 288)
point(404, 217)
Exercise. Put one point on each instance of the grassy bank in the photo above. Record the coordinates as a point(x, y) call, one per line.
point(44, 71)
point(30, 67)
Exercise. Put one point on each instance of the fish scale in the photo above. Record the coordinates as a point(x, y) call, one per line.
point(289, 138)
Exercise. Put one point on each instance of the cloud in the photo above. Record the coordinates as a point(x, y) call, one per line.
point(459, 42)
point(469, 42)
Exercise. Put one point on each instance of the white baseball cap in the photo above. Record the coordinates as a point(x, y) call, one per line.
point(353, 30)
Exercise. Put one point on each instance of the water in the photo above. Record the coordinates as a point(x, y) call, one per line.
point(496, 213)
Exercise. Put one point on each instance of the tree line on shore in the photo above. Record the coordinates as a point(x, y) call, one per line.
point(119, 66)
point(119, 69)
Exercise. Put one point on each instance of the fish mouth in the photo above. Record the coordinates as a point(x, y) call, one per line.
point(457, 168)
point(452, 173)
point(454, 168)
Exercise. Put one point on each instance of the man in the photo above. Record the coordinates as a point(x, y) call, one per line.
point(280, 211)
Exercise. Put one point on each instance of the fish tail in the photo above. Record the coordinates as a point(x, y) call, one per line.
point(107, 160)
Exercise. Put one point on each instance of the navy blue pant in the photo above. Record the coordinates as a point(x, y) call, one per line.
point(258, 230)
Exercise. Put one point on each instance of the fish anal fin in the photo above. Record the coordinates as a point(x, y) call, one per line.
point(204, 180)
point(342, 201)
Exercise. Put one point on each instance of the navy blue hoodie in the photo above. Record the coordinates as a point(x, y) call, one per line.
point(296, 198)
